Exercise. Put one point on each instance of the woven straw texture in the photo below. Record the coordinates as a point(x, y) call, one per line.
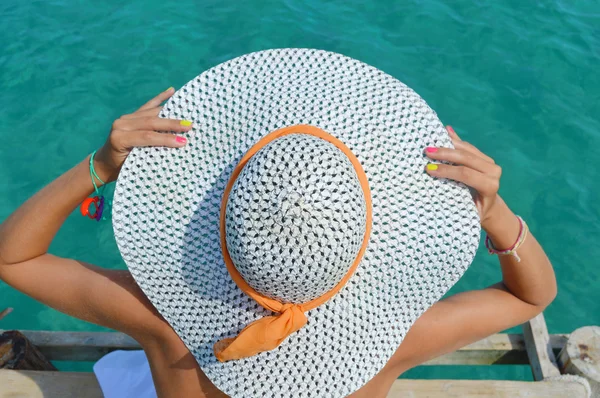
point(296, 219)
point(166, 219)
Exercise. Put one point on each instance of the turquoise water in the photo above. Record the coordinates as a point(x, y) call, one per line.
point(520, 81)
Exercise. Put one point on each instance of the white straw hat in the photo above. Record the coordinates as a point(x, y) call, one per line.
point(303, 178)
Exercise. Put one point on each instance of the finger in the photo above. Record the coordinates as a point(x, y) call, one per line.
point(465, 158)
point(465, 146)
point(156, 101)
point(452, 133)
point(482, 183)
point(458, 143)
point(146, 112)
point(153, 138)
point(157, 124)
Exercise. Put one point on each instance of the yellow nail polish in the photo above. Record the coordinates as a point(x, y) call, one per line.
point(432, 166)
point(169, 88)
point(185, 123)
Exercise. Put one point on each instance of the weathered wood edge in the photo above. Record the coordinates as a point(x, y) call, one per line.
point(79, 346)
point(42, 384)
point(539, 348)
point(90, 346)
point(35, 384)
point(485, 388)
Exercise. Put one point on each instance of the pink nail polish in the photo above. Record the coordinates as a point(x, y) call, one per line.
point(431, 149)
point(181, 140)
point(451, 130)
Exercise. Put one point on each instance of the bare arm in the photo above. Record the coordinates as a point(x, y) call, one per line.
point(527, 287)
point(532, 280)
point(105, 297)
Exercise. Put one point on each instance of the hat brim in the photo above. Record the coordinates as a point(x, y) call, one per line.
point(166, 218)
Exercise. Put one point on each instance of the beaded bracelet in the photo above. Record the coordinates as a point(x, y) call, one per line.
point(97, 201)
point(512, 251)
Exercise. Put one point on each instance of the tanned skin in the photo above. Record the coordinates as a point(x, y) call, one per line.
point(81, 290)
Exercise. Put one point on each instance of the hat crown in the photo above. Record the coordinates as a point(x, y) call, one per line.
point(295, 218)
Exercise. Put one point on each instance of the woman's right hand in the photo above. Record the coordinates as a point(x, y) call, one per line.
point(140, 128)
point(473, 168)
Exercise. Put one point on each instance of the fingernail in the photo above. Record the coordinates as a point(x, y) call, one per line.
point(169, 89)
point(181, 140)
point(450, 129)
point(432, 167)
point(185, 123)
point(431, 149)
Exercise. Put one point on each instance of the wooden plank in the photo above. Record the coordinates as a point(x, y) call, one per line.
point(36, 384)
point(40, 384)
point(539, 349)
point(497, 349)
point(406, 388)
point(79, 346)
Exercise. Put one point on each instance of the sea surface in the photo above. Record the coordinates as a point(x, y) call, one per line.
point(518, 79)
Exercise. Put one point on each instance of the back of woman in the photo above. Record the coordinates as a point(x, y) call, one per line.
point(291, 221)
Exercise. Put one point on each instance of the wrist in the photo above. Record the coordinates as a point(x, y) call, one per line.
point(501, 225)
point(104, 167)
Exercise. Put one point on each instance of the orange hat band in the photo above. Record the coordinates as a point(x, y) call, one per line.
point(267, 333)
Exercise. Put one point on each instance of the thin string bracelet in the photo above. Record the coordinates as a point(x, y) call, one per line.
point(94, 176)
point(97, 202)
point(511, 251)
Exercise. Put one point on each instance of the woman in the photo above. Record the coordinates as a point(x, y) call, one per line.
point(527, 287)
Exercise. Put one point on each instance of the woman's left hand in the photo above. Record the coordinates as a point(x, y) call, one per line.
point(471, 167)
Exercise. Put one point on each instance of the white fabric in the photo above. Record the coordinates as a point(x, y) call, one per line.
point(166, 219)
point(125, 374)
